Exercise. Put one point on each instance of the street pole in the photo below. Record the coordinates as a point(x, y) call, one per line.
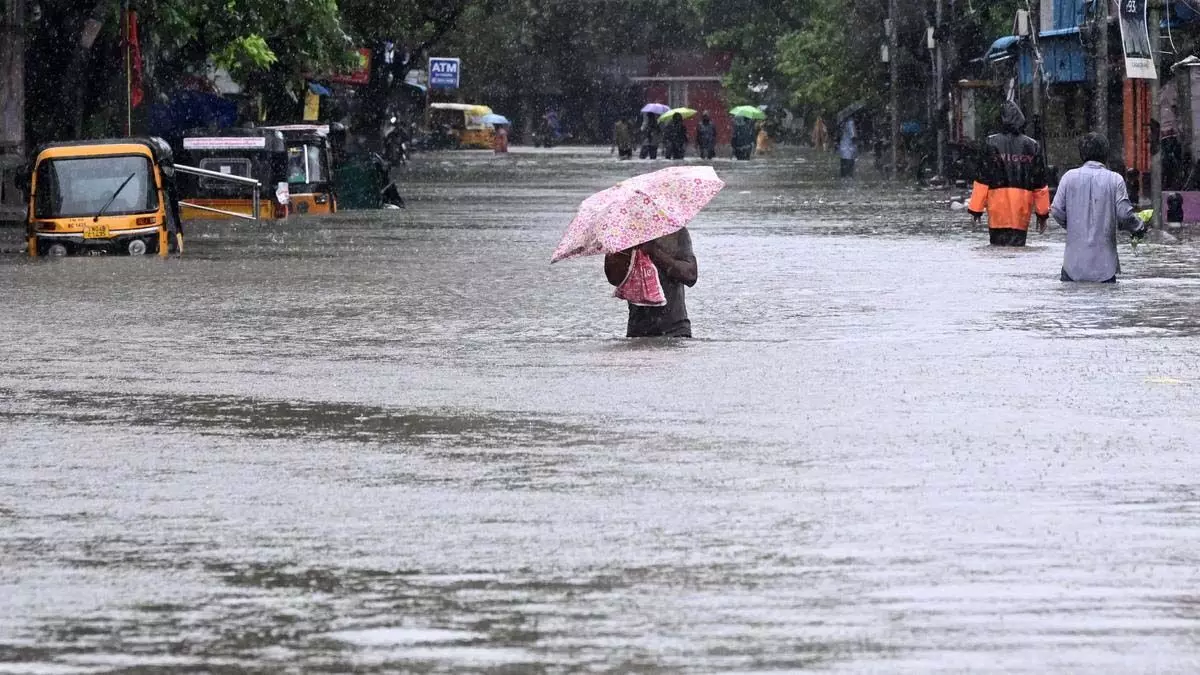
point(939, 91)
point(1035, 66)
point(1102, 68)
point(12, 105)
point(1156, 175)
point(893, 71)
point(128, 67)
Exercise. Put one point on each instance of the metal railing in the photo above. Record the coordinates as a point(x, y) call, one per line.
point(242, 180)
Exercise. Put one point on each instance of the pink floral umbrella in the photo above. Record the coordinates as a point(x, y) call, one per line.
point(638, 210)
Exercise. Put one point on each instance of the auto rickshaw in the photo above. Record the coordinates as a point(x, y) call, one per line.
point(113, 196)
point(310, 168)
point(259, 153)
point(465, 123)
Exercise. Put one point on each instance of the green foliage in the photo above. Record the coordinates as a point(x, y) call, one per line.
point(245, 55)
point(248, 36)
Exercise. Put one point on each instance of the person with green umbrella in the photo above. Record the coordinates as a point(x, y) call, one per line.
point(744, 131)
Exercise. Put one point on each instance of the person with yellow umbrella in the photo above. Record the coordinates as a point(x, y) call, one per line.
point(675, 135)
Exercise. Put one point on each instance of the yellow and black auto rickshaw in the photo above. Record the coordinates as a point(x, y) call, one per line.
point(258, 154)
point(310, 168)
point(465, 123)
point(115, 196)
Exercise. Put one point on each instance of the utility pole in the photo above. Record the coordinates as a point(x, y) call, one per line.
point(1156, 175)
point(1102, 68)
point(12, 104)
point(1035, 27)
point(939, 70)
point(893, 71)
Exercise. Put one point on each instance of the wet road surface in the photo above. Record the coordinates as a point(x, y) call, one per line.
point(400, 440)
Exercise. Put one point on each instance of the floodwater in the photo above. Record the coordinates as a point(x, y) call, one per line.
point(401, 441)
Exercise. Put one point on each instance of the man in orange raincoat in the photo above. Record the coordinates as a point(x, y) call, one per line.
point(1012, 184)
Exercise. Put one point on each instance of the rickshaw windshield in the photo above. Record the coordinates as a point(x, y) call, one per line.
point(77, 187)
point(306, 164)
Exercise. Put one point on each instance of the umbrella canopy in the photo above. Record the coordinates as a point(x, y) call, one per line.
point(638, 210)
point(685, 113)
point(494, 119)
point(748, 111)
point(849, 110)
point(655, 108)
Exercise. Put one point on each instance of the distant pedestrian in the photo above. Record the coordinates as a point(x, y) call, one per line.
point(675, 137)
point(500, 140)
point(623, 140)
point(1092, 204)
point(848, 147)
point(706, 138)
point(820, 135)
point(743, 138)
point(651, 136)
point(1012, 183)
point(762, 144)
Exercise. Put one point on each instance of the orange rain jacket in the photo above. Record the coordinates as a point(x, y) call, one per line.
point(1012, 183)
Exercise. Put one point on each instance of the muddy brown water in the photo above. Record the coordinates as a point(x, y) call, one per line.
point(401, 441)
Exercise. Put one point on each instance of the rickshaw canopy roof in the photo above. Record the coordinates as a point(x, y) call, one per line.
point(156, 148)
point(476, 110)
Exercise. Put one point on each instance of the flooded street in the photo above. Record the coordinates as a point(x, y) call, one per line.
point(402, 441)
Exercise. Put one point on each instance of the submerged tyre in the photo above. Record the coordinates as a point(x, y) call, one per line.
point(56, 251)
point(136, 247)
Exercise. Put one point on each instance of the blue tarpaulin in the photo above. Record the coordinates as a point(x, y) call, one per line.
point(187, 109)
point(318, 89)
point(1002, 49)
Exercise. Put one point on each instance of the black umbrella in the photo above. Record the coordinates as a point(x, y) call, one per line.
point(849, 110)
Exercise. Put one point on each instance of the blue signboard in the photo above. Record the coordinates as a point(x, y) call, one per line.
point(444, 73)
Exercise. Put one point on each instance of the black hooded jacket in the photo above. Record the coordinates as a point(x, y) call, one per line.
point(1012, 180)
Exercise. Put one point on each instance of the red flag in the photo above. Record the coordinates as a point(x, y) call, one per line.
point(135, 60)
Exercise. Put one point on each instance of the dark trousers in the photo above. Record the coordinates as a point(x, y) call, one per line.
point(625, 153)
point(649, 152)
point(1006, 236)
point(847, 168)
point(1066, 277)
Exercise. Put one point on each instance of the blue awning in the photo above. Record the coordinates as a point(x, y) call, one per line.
point(1059, 32)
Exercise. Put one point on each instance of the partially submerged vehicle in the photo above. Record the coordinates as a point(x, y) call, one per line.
point(259, 154)
point(464, 122)
point(114, 196)
point(309, 168)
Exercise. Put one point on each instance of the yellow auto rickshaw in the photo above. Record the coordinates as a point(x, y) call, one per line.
point(465, 122)
point(259, 154)
point(114, 196)
point(310, 169)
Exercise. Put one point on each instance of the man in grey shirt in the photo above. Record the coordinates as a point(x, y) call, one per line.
point(1092, 203)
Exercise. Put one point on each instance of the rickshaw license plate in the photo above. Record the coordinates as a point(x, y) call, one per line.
point(95, 232)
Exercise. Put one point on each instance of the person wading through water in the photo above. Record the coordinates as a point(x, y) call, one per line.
point(706, 138)
point(1092, 203)
point(1012, 183)
point(676, 264)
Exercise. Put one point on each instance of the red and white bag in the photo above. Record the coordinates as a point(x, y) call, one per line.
point(641, 286)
